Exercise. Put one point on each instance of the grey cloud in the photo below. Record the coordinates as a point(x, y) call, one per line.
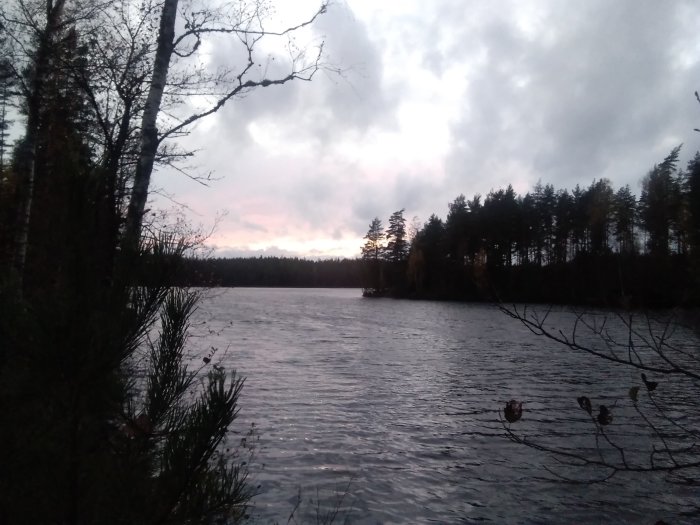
point(417, 192)
point(366, 207)
point(241, 224)
point(597, 94)
point(334, 103)
point(359, 98)
point(600, 89)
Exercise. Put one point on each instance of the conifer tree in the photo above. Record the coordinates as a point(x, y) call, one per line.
point(624, 213)
point(396, 249)
point(372, 256)
point(103, 421)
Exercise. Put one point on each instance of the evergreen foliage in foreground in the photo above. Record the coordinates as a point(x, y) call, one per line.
point(102, 420)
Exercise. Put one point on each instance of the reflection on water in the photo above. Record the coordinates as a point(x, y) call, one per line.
point(391, 406)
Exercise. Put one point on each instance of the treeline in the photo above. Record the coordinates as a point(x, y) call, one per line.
point(593, 245)
point(273, 271)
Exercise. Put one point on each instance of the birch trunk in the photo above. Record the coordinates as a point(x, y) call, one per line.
point(54, 14)
point(149, 131)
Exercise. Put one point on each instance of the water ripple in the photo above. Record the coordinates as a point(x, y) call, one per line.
point(387, 410)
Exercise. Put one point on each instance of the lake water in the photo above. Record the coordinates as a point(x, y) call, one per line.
point(387, 411)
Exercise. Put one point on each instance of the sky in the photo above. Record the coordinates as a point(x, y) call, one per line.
point(423, 101)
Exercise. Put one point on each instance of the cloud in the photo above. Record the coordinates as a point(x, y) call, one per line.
point(346, 96)
point(442, 98)
point(597, 92)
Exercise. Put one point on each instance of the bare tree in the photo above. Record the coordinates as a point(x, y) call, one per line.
point(142, 75)
point(661, 404)
point(246, 24)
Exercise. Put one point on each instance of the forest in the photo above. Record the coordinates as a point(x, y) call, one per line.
point(108, 415)
point(272, 271)
point(591, 245)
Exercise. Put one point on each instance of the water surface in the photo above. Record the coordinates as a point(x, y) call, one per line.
point(393, 407)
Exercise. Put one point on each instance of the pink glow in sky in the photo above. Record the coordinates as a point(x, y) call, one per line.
point(437, 99)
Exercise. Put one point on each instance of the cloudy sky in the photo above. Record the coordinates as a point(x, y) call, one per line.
point(436, 99)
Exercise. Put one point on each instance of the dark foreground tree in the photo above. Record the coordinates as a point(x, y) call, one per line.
point(138, 67)
point(103, 419)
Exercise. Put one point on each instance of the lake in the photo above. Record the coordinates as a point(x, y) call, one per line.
point(387, 411)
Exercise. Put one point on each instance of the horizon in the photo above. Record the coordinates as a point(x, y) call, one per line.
point(433, 101)
point(440, 99)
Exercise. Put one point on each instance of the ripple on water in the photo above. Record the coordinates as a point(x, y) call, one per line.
point(387, 411)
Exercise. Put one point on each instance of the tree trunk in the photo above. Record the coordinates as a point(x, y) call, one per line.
point(54, 13)
point(149, 131)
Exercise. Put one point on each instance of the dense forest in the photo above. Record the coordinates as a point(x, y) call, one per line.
point(594, 245)
point(273, 271)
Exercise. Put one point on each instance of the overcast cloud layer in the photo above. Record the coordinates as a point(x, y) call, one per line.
point(441, 98)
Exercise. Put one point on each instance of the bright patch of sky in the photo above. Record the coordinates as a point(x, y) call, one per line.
point(436, 99)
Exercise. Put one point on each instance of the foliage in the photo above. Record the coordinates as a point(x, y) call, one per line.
point(271, 271)
point(385, 256)
point(373, 248)
point(104, 419)
point(593, 245)
point(373, 279)
point(396, 249)
point(658, 204)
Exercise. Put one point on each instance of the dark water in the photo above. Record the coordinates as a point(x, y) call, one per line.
point(388, 412)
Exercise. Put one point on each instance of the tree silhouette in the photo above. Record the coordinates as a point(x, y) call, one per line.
point(657, 204)
point(372, 253)
point(103, 420)
point(624, 212)
point(693, 202)
point(563, 228)
point(559, 246)
point(427, 259)
point(600, 202)
point(396, 249)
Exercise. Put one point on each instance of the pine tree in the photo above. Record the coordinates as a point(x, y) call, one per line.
point(693, 203)
point(372, 256)
point(396, 250)
point(600, 206)
point(658, 204)
point(624, 212)
point(373, 248)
